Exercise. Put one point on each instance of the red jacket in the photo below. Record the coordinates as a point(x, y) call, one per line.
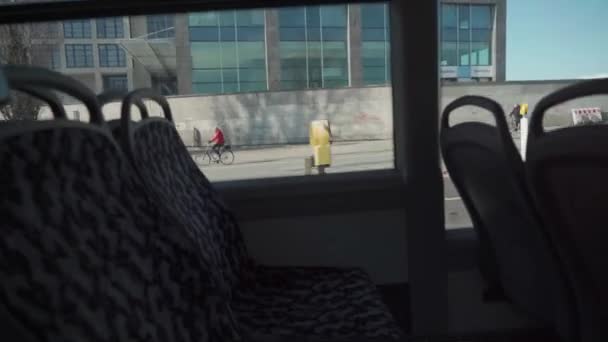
point(218, 138)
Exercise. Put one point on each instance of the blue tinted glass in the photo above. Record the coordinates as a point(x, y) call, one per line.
point(334, 34)
point(313, 16)
point(481, 16)
point(227, 34)
point(463, 53)
point(334, 15)
point(206, 75)
point(374, 54)
point(294, 74)
point(293, 85)
point(335, 83)
point(252, 75)
point(372, 15)
point(463, 17)
point(230, 75)
point(480, 53)
point(207, 88)
point(252, 54)
point(449, 34)
point(448, 15)
point(251, 34)
point(374, 75)
point(204, 34)
point(201, 19)
point(227, 18)
point(250, 17)
point(481, 35)
point(314, 33)
point(231, 87)
point(291, 17)
point(449, 54)
point(253, 86)
point(292, 34)
point(464, 35)
point(373, 34)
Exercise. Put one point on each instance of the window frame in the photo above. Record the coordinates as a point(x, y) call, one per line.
point(87, 47)
point(414, 185)
point(106, 49)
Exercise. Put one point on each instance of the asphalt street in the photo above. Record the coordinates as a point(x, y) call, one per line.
point(288, 160)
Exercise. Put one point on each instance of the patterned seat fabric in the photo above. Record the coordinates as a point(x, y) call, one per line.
point(84, 255)
point(315, 302)
point(269, 301)
point(166, 166)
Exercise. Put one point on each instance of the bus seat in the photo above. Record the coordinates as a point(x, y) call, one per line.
point(84, 253)
point(567, 169)
point(290, 302)
point(487, 170)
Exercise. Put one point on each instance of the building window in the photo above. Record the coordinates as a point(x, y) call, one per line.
point(115, 82)
point(161, 26)
point(110, 28)
point(228, 51)
point(112, 56)
point(79, 55)
point(313, 47)
point(77, 29)
point(466, 34)
point(375, 44)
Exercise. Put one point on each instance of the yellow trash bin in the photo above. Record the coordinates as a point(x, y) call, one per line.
point(320, 140)
point(523, 109)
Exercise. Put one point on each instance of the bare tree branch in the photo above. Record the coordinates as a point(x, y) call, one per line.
point(16, 48)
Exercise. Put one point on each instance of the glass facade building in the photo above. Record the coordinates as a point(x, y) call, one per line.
point(283, 48)
point(313, 47)
point(375, 44)
point(466, 34)
point(228, 51)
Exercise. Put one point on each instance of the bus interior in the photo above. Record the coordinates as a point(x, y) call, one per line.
point(343, 199)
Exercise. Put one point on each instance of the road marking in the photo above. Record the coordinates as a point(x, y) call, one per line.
point(452, 198)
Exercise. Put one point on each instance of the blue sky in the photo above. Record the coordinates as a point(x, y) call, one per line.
point(556, 39)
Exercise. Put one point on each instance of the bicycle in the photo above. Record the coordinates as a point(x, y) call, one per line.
point(209, 155)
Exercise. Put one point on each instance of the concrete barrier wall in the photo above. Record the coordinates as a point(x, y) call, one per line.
point(510, 93)
point(354, 113)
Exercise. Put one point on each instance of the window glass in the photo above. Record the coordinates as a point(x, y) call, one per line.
point(76, 29)
point(234, 42)
point(115, 82)
point(262, 75)
point(79, 55)
point(111, 55)
point(161, 26)
point(110, 27)
point(375, 44)
point(322, 31)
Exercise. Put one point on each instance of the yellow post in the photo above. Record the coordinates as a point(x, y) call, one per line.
point(320, 137)
point(523, 109)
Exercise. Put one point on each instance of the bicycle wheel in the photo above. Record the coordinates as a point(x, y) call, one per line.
point(202, 158)
point(227, 157)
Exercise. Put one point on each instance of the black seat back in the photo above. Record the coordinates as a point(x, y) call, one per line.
point(85, 255)
point(487, 170)
point(164, 163)
point(567, 169)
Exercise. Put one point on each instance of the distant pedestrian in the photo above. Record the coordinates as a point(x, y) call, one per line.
point(515, 117)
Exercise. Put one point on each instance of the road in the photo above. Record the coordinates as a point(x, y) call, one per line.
point(285, 161)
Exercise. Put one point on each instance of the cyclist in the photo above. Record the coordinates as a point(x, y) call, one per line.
point(218, 141)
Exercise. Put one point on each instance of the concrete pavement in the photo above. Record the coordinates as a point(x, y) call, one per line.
point(288, 160)
point(285, 161)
